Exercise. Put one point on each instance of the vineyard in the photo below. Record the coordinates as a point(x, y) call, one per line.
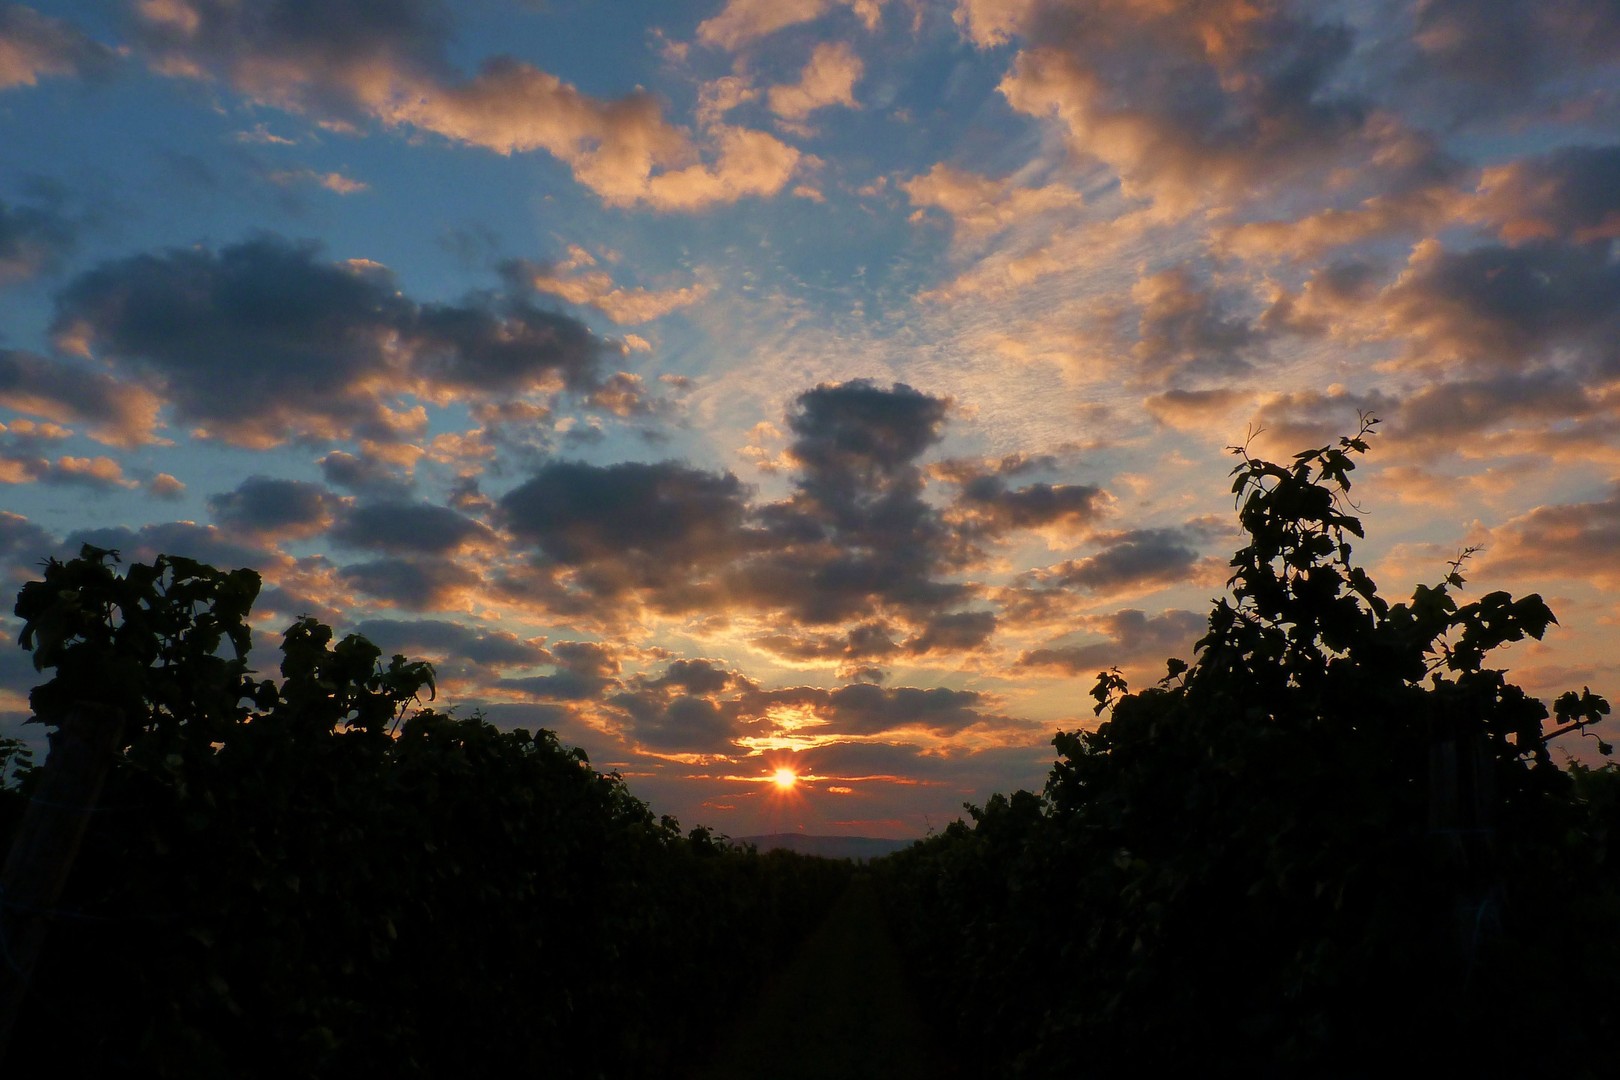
point(1334, 839)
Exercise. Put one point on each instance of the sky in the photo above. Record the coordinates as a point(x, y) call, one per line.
point(832, 385)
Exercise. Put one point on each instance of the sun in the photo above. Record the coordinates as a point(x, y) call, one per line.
point(784, 779)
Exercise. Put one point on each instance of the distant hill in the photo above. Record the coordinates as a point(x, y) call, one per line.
point(828, 847)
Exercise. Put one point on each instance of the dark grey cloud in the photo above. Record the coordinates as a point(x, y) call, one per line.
point(365, 474)
point(1131, 558)
point(23, 547)
point(865, 709)
point(1505, 54)
point(985, 505)
point(416, 584)
point(32, 239)
point(1134, 636)
point(408, 528)
point(855, 545)
point(991, 507)
point(682, 710)
point(695, 677)
point(1449, 410)
point(35, 46)
point(264, 341)
point(266, 506)
point(1571, 194)
point(1509, 306)
point(1225, 98)
point(700, 706)
point(1331, 289)
point(1187, 330)
point(863, 641)
point(855, 441)
point(1290, 421)
point(656, 528)
point(584, 671)
point(1134, 560)
point(857, 534)
point(955, 631)
point(440, 638)
point(58, 389)
point(204, 543)
point(330, 45)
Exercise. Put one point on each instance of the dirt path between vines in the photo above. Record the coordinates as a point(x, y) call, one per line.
point(841, 1008)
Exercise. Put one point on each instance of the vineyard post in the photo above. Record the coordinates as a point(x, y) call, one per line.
point(82, 749)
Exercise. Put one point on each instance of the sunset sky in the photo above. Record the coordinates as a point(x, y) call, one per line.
point(833, 385)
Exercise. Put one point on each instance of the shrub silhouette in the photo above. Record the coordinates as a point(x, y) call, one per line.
point(315, 876)
point(1336, 835)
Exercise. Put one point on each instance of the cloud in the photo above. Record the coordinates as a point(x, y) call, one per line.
point(1376, 217)
point(440, 640)
point(100, 473)
point(32, 240)
point(700, 706)
point(331, 181)
point(367, 473)
point(828, 79)
point(404, 527)
point(956, 631)
point(22, 545)
point(205, 543)
point(584, 671)
point(854, 544)
point(572, 280)
point(1194, 409)
point(1507, 306)
point(979, 205)
point(1502, 54)
point(856, 534)
point(863, 641)
point(1130, 562)
point(1188, 105)
point(631, 527)
point(1188, 331)
point(33, 46)
point(743, 21)
point(120, 412)
point(264, 341)
point(1571, 194)
point(747, 163)
point(386, 62)
point(1133, 637)
point(166, 486)
point(414, 583)
point(1570, 541)
point(864, 709)
point(273, 509)
point(987, 506)
point(1449, 411)
point(683, 710)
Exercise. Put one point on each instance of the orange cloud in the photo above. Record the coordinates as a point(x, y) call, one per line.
point(331, 181)
point(828, 79)
point(979, 204)
point(597, 289)
point(622, 149)
point(743, 21)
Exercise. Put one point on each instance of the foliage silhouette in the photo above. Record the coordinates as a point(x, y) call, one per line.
point(315, 876)
point(1336, 835)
